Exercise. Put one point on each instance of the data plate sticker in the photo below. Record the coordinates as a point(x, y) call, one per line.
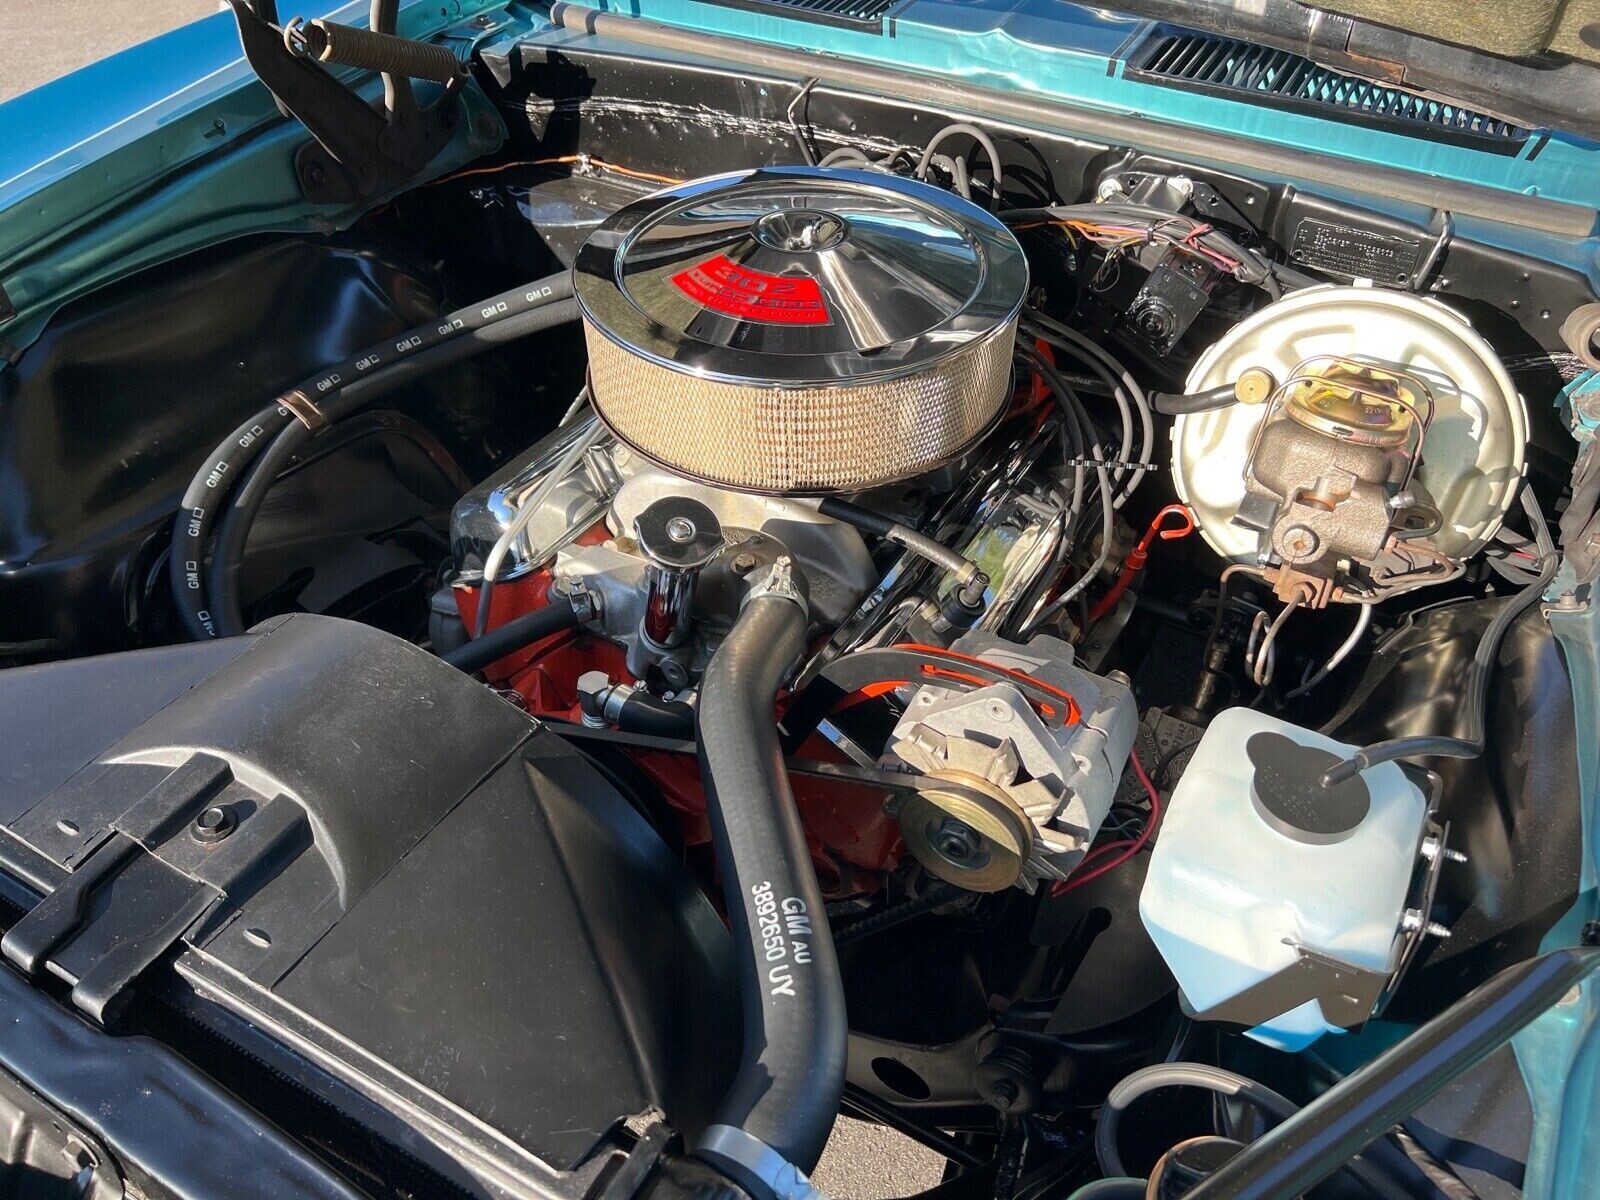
point(723, 286)
point(1357, 253)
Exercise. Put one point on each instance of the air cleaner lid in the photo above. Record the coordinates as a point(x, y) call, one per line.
point(800, 276)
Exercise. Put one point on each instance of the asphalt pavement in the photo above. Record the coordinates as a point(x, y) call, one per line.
point(43, 39)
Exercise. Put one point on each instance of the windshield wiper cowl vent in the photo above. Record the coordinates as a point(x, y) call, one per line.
point(867, 14)
point(1225, 66)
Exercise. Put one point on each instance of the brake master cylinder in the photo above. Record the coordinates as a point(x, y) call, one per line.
point(1330, 476)
point(1375, 444)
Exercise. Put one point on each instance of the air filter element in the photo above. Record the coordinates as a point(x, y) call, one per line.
point(800, 330)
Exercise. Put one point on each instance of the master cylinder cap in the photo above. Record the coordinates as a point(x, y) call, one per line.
point(800, 330)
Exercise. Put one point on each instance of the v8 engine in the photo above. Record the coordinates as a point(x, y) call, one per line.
point(754, 662)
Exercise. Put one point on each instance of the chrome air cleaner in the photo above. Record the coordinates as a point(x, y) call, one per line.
point(800, 330)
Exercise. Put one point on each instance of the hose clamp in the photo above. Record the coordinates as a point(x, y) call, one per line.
point(753, 1162)
point(305, 408)
point(586, 604)
point(779, 581)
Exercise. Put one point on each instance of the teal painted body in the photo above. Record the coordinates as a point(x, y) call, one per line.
point(1071, 53)
point(181, 148)
point(1560, 1052)
point(172, 146)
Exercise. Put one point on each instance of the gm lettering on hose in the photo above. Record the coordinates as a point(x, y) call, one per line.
point(723, 286)
point(785, 929)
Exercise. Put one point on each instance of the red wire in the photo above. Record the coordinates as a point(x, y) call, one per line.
point(1129, 848)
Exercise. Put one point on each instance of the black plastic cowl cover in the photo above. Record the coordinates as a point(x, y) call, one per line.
point(419, 890)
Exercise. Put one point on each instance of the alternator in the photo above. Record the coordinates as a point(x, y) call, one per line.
point(1027, 796)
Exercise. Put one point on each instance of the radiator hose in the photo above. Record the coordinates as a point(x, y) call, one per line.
point(771, 1126)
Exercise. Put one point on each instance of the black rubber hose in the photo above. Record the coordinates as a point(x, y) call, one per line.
point(202, 503)
point(1171, 404)
point(970, 577)
point(863, 519)
point(1223, 1083)
point(1475, 704)
point(239, 515)
point(507, 639)
point(644, 713)
point(791, 1076)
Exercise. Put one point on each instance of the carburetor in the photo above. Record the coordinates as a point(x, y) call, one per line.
point(1027, 784)
point(1330, 481)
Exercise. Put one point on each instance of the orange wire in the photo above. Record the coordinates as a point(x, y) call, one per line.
point(563, 160)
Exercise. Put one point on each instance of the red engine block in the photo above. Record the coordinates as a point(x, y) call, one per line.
point(853, 843)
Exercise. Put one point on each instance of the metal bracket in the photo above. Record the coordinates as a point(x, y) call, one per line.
point(913, 664)
point(1346, 994)
point(629, 1177)
point(359, 151)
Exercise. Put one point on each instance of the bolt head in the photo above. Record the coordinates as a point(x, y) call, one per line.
point(214, 823)
point(955, 840)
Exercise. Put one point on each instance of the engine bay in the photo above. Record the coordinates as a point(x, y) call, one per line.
point(1080, 619)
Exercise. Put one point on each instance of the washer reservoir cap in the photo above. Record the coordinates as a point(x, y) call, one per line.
point(1286, 787)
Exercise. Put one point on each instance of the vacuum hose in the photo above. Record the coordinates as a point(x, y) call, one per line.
point(771, 1126)
point(1476, 702)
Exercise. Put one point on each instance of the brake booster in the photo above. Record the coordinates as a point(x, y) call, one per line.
point(1374, 443)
